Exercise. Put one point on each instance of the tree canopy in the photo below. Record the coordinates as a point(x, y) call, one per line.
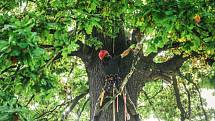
point(47, 45)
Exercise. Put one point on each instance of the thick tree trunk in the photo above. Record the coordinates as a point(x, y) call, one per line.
point(96, 76)
point(96, 82)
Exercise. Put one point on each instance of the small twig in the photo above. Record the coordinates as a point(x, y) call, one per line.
point(32, 97)
point(150, 102)
point(71, 70)
point(158, 92)
point(44, 46)
point(82, 109)
point(26, 6)
point(16, 72)
point(52, 59)
point(48, 112)
point(13, 66)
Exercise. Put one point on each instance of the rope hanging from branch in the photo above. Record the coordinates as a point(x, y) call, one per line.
point(114, 108)
point(136, 50)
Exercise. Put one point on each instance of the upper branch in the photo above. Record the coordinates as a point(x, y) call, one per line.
point(166, 47)
point(171, 65)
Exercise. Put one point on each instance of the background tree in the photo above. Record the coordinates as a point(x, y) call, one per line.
point(44, 43)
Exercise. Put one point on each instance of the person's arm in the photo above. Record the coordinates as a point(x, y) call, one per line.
point(126, 52)
point(117, 59)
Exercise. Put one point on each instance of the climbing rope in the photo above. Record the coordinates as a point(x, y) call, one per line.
point(115, 87)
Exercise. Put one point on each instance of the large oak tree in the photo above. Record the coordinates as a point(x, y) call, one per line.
point(40, 39)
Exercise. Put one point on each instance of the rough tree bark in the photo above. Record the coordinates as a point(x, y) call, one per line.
point(145, 71)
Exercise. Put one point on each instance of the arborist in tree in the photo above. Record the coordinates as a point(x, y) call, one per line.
point(112, 84)
point(111, 68)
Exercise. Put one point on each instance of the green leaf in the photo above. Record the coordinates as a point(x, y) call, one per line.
point(38, 52)
point(3, 45)
point(91, 23)
point(22, 45)
point(196, 43)
point(15, 52)
point(89, 28)
point(168, 12)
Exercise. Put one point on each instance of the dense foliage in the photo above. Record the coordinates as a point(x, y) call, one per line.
point(40, 79)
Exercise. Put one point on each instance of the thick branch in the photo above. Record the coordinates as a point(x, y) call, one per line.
point(200, 97)
point(178, 99)
point(189, 101)
point(74, 103)
point(166, 47)
point(171, 65)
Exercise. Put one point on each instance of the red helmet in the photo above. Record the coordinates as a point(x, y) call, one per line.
point(102, 54)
